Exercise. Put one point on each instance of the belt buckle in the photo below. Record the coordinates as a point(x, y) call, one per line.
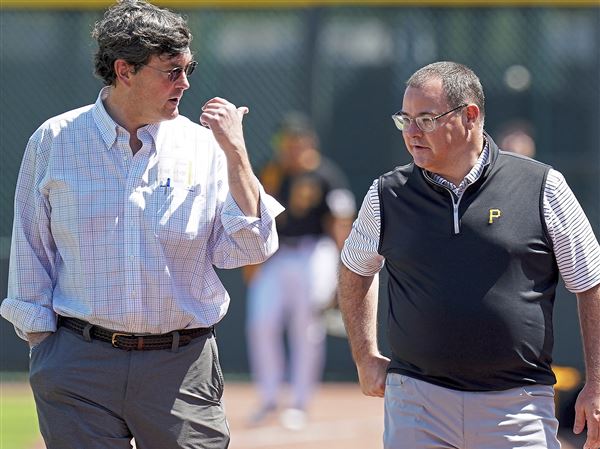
point(113, 338)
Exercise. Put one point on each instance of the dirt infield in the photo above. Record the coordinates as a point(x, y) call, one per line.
point(340, 418)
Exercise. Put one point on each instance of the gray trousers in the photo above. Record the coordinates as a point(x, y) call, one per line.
point(419, 415)
point(93, 396)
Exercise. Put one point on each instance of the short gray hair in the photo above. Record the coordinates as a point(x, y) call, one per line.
point(135, 30)
point(459, 82)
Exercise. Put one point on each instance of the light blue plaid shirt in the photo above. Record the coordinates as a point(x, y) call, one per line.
point(127, 241)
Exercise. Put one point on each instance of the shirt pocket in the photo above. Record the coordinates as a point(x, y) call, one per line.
point(180, 214)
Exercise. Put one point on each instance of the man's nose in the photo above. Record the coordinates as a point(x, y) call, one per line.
point(412, 129)
point(183, 81)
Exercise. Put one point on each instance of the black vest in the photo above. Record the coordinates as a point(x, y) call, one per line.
point(470, 300)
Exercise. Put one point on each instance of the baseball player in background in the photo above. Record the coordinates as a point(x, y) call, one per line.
point(290, 291)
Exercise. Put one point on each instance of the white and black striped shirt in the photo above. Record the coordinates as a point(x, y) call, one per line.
point(575, 246)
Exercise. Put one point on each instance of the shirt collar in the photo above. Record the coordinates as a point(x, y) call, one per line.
point(477, 169)
point(473, 174)
point(108, 127)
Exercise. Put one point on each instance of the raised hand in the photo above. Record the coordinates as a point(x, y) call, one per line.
point(224, 119)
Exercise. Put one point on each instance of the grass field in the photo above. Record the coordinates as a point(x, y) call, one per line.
point(18, 419)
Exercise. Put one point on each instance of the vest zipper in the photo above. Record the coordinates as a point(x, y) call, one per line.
point(455, 204)
point(455, 208)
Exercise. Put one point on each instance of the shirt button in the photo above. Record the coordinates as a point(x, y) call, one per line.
point(132, 257)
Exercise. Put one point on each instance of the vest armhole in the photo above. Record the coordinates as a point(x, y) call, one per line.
point(549, 241)
point(381, 212)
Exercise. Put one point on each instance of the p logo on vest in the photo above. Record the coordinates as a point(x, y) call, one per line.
point(494, 213)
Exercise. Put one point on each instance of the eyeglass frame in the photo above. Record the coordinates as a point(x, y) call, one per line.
point(175, 73)
point(399, 114)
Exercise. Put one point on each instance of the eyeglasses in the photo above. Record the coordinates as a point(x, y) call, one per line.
point(425, 123)
point(175, 74)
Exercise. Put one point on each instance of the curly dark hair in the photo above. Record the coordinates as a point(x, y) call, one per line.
point(135, 30)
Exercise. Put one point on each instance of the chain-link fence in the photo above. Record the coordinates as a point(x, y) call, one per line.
point(345, 66)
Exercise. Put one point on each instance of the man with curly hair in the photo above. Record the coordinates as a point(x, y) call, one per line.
point(122, 209)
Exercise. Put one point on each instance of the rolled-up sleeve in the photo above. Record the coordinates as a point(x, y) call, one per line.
point(32, 258)
point(243, 240)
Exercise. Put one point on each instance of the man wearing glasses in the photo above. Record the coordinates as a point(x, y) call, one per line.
point(473, 240)
point(122, 208)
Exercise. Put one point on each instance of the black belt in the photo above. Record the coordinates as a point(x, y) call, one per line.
point(128, 342)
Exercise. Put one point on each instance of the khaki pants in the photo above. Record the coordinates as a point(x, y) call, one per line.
point(93, 396)
point(419, 415)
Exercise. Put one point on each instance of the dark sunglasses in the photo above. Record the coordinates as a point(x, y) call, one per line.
point(175, 73)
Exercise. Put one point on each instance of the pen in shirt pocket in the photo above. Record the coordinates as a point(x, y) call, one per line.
point(166, 186)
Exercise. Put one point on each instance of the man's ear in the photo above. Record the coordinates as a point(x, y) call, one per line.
point(472, 115)
point(123, 72)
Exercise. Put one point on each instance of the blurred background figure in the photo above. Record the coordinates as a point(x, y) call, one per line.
point(288, 295)
point(517, 137)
